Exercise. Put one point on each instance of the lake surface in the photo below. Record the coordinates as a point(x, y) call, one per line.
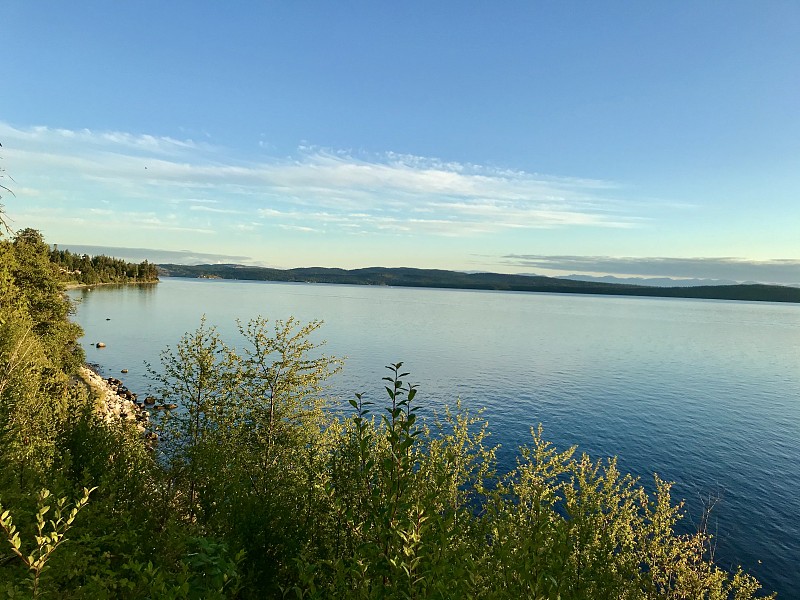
point(706, 393)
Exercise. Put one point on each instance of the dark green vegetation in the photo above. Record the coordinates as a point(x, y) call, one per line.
point(435, 278)
point(256, 490)
point(91, 270)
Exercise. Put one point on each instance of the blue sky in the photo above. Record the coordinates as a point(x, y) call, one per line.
point(630, 138)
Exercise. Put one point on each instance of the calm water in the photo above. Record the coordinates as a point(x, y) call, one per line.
point(705, 393)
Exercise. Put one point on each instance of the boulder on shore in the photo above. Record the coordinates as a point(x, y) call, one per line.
point(115, 402)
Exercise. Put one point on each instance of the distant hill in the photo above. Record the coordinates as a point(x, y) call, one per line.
point(654, 281)
point(436, 278)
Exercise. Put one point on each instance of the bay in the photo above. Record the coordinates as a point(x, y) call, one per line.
point(705, 393)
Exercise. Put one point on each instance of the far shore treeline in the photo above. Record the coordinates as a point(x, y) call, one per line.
point(437, 278)
point(92, 270)
point(245, 485)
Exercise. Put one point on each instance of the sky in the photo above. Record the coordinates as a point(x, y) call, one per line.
point(623, 138)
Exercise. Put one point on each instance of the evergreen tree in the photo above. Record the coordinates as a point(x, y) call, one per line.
point(91, 270)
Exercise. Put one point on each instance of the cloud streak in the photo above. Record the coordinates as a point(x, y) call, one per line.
point(783, 271)
point(318, 189)
point(181, 257)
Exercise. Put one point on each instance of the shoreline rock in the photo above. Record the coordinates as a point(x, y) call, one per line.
point(115, 402)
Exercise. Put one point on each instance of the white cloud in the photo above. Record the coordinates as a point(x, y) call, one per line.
point(400, 193)
point(299, 228)
point(211, 209)
point(779, 271)
point(101, 139)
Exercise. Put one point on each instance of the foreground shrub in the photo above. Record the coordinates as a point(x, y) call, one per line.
point(411, 513)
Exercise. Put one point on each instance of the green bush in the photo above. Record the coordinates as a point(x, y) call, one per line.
point(415, 514)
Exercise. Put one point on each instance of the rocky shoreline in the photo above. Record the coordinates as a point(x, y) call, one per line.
point(116, 403)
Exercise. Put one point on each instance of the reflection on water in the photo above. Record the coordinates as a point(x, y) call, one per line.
point(705, 393)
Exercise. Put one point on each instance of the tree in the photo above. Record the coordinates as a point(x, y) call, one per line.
point(38, 281)
point(38, 349)
point(282, 382)
point(90, 270)
point(241, 443)
point(199, 376)
point(4, 226)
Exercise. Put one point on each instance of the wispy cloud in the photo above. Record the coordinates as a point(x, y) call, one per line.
point(182, 257)
point(784, 271)
point(56, 137)
point(211, 209)
point(319, 189)
point(299, 228)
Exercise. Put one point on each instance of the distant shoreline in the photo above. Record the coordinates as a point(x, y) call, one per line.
point(442, 279)
point(78, 286)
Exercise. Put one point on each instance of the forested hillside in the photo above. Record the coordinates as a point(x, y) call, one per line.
point(91, 270)
point(255, 489)
point(438, 278)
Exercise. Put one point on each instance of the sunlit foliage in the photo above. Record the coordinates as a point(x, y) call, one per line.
point(91, 270)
